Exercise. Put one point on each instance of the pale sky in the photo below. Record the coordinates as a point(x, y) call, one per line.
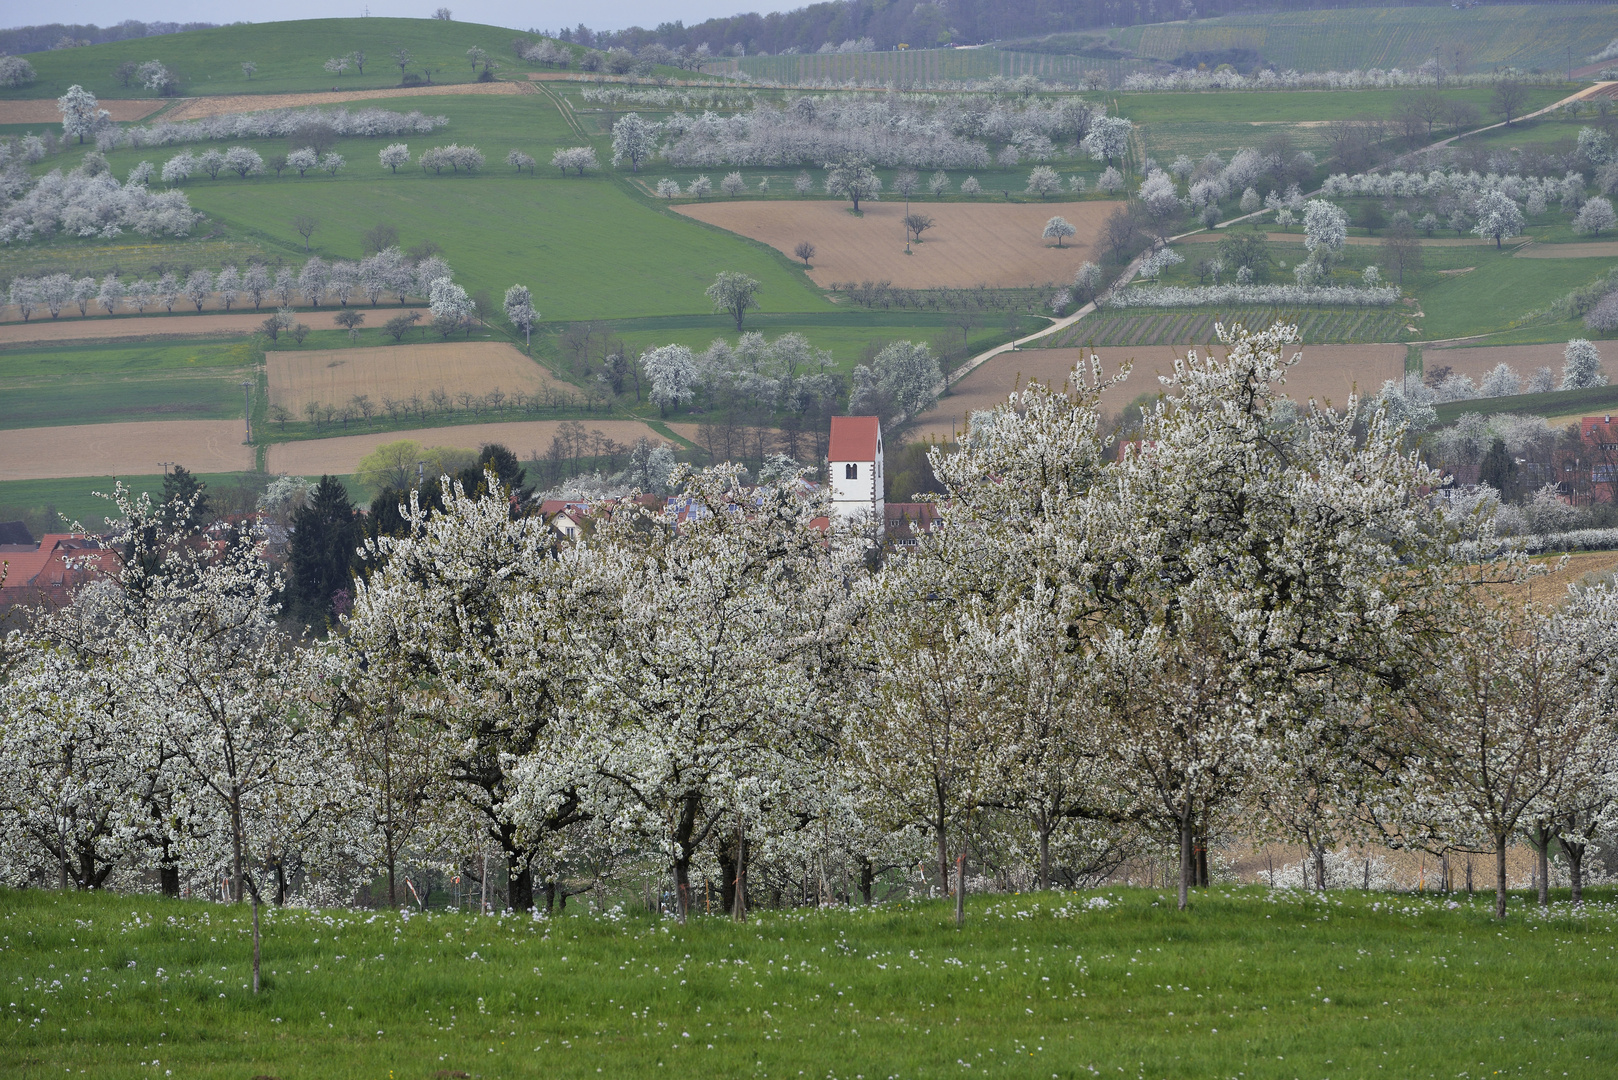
point(545, 14)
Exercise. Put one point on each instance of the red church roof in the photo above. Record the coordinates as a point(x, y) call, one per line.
point(854, 438)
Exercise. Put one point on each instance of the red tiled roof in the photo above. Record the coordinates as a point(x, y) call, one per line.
point(1598, 429)
point(854, 438)
point(46, 570)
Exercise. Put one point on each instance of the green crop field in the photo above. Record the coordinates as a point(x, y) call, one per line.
point(1529, 37)
point(921, 67)
point(43, 503)
point(289, 56)
point(113, 381)
point(1195, 326)
point(1247, 983)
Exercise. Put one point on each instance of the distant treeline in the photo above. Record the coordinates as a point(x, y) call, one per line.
point(27, 39)
point(931, 24)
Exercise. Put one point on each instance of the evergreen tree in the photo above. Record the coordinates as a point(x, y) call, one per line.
point(179, 489)
point(322, 556)
point(504, 464)
point(1499, 469)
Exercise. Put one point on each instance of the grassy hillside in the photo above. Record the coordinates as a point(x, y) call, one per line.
point(289, 56)
point(1246, 983)
point(589, 248)
point(1538, 37)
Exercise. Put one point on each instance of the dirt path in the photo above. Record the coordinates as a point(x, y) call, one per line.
point(137, 448)
point(136, 327)
point(197, 108)
point(1370, 241)
point(44, 110)
point(342, 454)
point(1588, 250)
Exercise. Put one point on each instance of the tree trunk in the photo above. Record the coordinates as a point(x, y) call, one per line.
point(1319, 852)
point(1186, 859)
point(943, 861)
point(393, 901)
point(1469, 874)
point(682, 886)
point(255, 941)
point(550, 896)
point(236, 841)
point(727, 876)
point(960, 890)
point(867, 880)
point(1542, 850)
point(1044, 850)
point(1500, 877)
point(738, 908)
point(1575, 869)
point(519, 885)
point(169, 876)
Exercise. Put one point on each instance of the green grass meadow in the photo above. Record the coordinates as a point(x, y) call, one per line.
point(1246, 983)
point(289, 56)
point(41, 501)
point(1528, 37)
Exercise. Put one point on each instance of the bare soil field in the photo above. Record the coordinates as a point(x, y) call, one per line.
point(333, 376)
point(113, 449)
point(1524, 358)
point(994, 244)
point(44, 111)
point(1327, 373)
point(159, 325)
point(1551, 588)
point(197, 108)
point(342, 455)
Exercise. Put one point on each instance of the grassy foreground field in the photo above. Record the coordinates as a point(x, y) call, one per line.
point(1248, 983)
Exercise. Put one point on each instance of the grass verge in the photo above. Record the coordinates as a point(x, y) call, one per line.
point(1247, 982)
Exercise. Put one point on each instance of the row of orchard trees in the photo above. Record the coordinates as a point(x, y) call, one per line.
point(1251, 624)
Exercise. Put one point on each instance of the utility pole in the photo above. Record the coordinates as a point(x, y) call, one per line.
point(166, 465)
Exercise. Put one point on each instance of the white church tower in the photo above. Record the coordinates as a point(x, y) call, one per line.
point(856, 467)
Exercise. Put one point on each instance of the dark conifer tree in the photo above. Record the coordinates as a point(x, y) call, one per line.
point(323, 553)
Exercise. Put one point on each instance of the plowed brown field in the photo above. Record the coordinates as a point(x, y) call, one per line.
point(114, 449)
point(1524, 358)
point(197, 108)
point(333, 376)
point(1326, 373)
point(44, 111)
point(149, 326)
point(994, 244)
point(525, 437)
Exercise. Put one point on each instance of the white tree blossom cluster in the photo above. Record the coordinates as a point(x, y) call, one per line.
point(786, 373)
point(86, 203)
point(454, 157)
point(15, 72)
point(277, 124)
point(913, 130)
point(1253, 622)
point(1436, 183)
point(244, 161)
point(669, 98)
point(1208, 295)
point(388, 271)
point(1414, 399)
point(1357, 79)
